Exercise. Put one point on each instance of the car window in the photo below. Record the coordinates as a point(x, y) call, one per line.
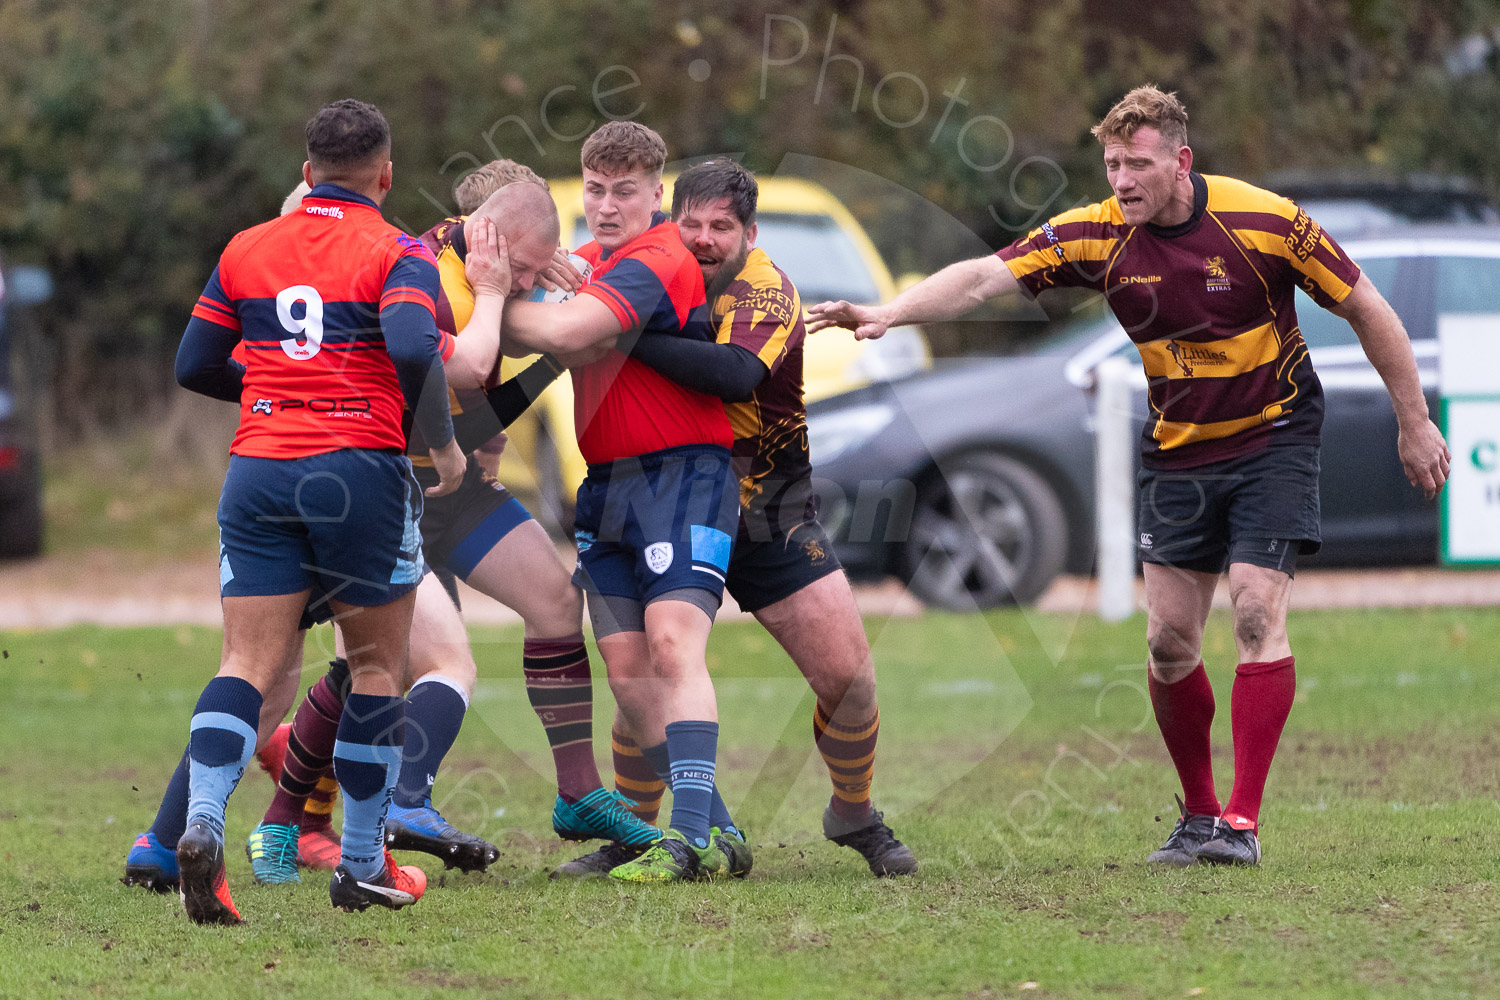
point(1321, 328)
point(1468, 285)
point(818, 256)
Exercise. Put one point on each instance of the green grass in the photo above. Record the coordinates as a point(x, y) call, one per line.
point(1017, 757)
point(128, 493)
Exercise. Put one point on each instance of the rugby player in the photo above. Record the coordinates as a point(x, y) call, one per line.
point(483, 535)
point(783, 569)
point(475, 187)
point(318, 492)
point(1201, 271)
point(657, 512)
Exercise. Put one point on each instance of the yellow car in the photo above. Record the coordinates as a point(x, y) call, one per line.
point(816, 241)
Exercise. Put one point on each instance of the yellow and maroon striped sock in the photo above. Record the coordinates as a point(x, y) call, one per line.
point(635, 778)
point(317, 812)
point(849, 752)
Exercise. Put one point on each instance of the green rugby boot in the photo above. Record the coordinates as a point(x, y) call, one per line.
point(736, 851)
point(272, 850)
point(673, 859)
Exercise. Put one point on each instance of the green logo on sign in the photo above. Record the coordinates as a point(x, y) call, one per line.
point(1484, 456)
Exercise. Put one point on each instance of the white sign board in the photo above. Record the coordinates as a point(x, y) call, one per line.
point(1469, 377)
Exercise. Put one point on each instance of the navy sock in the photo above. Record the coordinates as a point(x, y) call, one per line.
point(171, 815)
point(434, 712)
point(692, 747)
point(718, 812)
point(366, 759)
point(220, 744)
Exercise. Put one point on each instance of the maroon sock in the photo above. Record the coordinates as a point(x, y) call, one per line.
point(315, 729)
point(1258, 707)
point(561, 690)
point(1185, 714)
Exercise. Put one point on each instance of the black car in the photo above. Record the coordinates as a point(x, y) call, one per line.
point(20, 466)
point(974, 482)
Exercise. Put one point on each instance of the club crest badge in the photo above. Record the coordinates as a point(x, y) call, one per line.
point(659, 557)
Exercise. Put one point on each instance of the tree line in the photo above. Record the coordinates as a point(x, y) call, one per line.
point(135, 139)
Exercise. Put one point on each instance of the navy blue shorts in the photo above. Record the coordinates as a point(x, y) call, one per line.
point(343, 523)
point(458, 530)
point(657, 523)
point(1260, 509)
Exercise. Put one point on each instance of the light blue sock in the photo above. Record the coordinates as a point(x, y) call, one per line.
point(221, 742)
point(367, 762)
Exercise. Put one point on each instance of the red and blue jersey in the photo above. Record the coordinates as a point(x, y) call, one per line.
point(333, 311)
point(622, 408)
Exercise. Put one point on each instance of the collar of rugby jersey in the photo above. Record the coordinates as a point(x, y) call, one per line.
point(333, 192)
point(1200, 208)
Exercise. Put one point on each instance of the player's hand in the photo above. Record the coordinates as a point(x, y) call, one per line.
point(450, 464)
point(1424, 456)
point(867, 322)
point(560, 273)
point(488, 264)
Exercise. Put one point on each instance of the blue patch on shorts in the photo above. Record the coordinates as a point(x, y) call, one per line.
point(712, 546)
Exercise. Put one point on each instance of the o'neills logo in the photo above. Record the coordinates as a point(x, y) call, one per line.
point(1140, 279)
point(331, 211)
point(1188, 355)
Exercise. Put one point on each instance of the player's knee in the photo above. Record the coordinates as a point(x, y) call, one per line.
point(836, 680)
point(557, 610)
point(1172, 651)
point(1255, 624)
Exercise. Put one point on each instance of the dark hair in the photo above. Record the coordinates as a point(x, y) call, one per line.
point(623, 146)
point(346, 133)
point(713, 180)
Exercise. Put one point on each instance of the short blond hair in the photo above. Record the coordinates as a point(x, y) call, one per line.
point(1145, 107)
point(475, 187)
point(616, 147)
point(293, 201)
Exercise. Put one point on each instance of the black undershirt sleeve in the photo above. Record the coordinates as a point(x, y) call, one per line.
point(727, 371)
point(508, 400)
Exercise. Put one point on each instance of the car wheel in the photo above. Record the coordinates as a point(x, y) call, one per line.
point(986, 530)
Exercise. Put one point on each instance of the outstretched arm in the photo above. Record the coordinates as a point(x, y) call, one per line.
point(948, 294)
point(1424, 453)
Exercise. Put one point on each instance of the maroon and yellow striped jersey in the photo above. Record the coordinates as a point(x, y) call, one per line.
point(1210, 306)
point(761, 311)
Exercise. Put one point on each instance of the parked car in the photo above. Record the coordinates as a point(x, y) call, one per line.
point(1351, 203)
point(20, 466)
point(812, 237)
point(974, 483)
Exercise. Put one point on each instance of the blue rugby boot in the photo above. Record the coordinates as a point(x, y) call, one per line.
point(424, 829)
point(272, 850)
point(602, 814)
point(151, 865)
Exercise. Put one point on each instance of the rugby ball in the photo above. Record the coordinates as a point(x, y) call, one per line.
point(540, 294)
